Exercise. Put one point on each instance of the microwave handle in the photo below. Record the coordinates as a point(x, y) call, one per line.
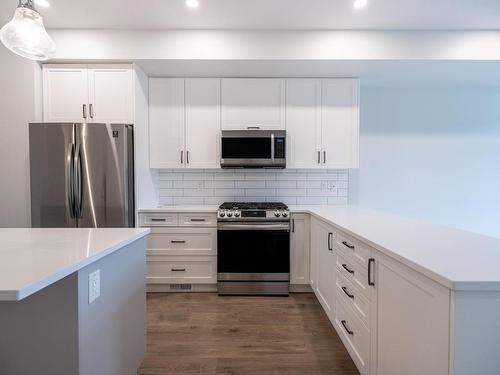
point(272, 146)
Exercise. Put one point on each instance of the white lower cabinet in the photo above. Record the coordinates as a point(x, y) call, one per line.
point(299, 249)
point(181, 251)
point(412, 322)
point(324, 237)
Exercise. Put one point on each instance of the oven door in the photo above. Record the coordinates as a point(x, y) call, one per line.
point(253, 251)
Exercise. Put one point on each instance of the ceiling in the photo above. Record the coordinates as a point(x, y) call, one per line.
point(267, 14)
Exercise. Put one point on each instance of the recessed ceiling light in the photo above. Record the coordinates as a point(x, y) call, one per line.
point(42, 3)
point(360, 4)
point(193, 4)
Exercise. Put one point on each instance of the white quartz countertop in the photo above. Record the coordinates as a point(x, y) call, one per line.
point(32, 259)
point(457, 259)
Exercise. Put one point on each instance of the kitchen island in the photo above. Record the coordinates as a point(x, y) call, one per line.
point(72, 301)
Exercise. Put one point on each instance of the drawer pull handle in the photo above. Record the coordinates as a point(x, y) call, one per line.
point(347, 244)
point(156, 219)
point(344, 323)
point(178, 269)
point(348, 269)
point(370, 281)
point(198, 220)
point(347, 293)
point(178, 241)
point(253, 127)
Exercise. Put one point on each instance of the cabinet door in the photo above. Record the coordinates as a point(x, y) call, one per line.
point(326, 269)
point(299, 249)
point(203, 123)
point(313, 261)
point(111, 94)
point(303, 123)
point(412, 322)
point(340, 123)
point(65, 93)
point(250, 103)
point(166, 123)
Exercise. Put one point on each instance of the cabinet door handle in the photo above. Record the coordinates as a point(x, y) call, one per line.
point(293, 225)
point(158, 219)
point(330, 235)
point(344, 324)
point(253, 127)
point(324, 157)
point(347, 244)
point(178, 241)
point(187, 157)
point(182, 157)
point(319, 157)
point(84, 109)
point(347, 293)
point(91, 110)
point(370, 262)
point(178, 269)
point(348, 269)
point(198, 220)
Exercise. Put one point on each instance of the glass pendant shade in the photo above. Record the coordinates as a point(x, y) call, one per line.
point(25, 34)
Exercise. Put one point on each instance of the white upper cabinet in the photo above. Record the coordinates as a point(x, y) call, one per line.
point(166, 123)
point(340, 123)
point(303, 123)
point(110, 94)
point(202, 122)
point(65, 93)
point(88, 93)
point(250, 103)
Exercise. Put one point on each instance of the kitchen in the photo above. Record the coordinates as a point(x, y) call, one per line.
point(310, 187)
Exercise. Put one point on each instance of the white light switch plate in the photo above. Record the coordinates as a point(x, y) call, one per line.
point(94, 285)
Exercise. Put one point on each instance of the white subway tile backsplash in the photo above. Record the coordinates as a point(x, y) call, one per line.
point(251, 184)
point(260, 192)
point(312, 200)
point(212, 187)
point(288, 184)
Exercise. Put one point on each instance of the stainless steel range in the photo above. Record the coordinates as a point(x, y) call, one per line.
point(253, 248)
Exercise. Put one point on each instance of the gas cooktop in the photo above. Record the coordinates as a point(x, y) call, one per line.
point(253, 206)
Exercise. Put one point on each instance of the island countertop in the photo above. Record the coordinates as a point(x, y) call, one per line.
point(33, 258)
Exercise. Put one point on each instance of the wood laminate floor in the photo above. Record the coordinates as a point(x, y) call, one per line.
point(202, 333)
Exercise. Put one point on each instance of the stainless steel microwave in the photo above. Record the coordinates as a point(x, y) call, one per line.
point(253, 149)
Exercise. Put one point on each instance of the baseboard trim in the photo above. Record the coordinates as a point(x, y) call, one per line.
point(300, 288)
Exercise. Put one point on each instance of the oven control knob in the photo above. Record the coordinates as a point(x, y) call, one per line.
point(277, 214)
point(237, 214)
point(284, 214)
point(229, 214)
point(222, 214)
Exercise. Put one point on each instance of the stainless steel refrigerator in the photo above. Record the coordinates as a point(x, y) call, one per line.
point(82, 175)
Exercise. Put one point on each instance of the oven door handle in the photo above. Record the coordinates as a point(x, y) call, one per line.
point(227, 226)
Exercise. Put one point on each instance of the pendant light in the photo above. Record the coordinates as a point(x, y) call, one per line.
point(25, 34)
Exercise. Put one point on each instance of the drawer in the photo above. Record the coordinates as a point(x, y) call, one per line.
point(198, 219)
point(354, 249)
point(351, 297)
point(353, 272)
point(157, 219)
point(182, 241)
point(354, 335)
point(163, 269)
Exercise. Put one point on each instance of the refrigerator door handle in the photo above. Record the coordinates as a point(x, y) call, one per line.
point(70, 180)
point(78, 183)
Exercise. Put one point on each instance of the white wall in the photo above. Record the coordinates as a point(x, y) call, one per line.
point(19, 79)
point(432, 153)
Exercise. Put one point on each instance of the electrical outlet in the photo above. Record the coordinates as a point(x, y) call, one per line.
point(94, 286)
